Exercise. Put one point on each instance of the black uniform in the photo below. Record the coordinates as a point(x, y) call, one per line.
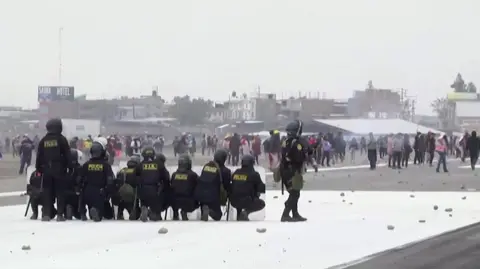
point(473, 147)
point(72, 194)
point(247, 185)
point(126, 184)
point(53, 160)
point(34, 190)
point(96, 179)
point(213, 186)
point(154, 180)
point(295, 153)
point(183, 184)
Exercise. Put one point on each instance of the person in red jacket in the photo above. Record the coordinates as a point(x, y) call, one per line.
point(257, 148)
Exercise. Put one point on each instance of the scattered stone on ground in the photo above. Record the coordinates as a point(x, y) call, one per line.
point(163, 230)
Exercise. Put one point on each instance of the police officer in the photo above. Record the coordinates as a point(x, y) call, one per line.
point(96, 177)
point(126, 183)
point(295, 153)
point(247, 185)
point(213, 186)
point(160, 159)
point(34, 190)
point(183, 185)
point(154, 182)
point(53, 160)
point(71, 194)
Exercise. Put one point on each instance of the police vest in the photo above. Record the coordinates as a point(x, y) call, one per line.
point(209, 174)
point(240, 184)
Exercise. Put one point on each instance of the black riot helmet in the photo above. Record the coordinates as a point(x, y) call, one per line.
point(160, 158)
point(134, 161)
point(74, 156)
point(96, 150)
point(220, 156)
point(148, 153)
point(184, 162)
point(248, 161)
point(54, 126)
point(294, 128)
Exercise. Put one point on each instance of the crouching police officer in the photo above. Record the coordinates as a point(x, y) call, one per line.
point(71, 193)
point(34, 190)
point(96, 177)
point(213, 186)
point(127, 183)
point(53, 160)
point(294, 154)
point(154, 181)
point(247, 185)
point(183, 185)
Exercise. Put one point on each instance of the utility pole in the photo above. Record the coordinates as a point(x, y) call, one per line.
point(403, 103)
point(60, 52)
point(413, 110)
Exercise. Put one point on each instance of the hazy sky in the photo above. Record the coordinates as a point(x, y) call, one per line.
point(211, 47)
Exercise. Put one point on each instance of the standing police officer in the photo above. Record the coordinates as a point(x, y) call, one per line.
point(295, 153)
point(53, 160)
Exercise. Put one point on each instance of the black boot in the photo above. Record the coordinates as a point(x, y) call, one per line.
point(296, 216)
point(286, 215)
point(69, 212)
point(120, 215)
point(133, 214)
point(144, 214)
point(60, 217)
point(155, 216)
point(95, 215)
point(83, 217)
point(46, 214)
point(184, 215)
point(205, 213)
point(175, 215)
point(242, 215)
point(35, 213)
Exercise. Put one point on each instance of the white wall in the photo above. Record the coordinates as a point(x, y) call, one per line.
point(467, 109)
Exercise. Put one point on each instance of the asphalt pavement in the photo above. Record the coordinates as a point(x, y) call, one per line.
point(457, 249)
point(360, 178)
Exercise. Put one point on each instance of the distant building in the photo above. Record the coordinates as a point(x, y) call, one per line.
point(463, 111)
point(375, 103)
point(108, 109)
point(262, 107)
point(308, 108)
point(218, 114)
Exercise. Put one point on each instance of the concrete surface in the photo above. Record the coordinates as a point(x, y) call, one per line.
point(336, 232)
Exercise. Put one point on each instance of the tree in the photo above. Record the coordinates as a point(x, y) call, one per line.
point(471, 87)
point(370, 85)
point(441, 107)
point(190, 111)
point(459, 84)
